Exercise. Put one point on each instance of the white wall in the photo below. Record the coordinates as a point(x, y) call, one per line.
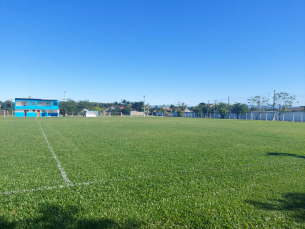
point(91, 113)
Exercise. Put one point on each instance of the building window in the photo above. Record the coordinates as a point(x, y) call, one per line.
point(33, 110)
point(54, 103)
point(32, 103)
point(23, 103)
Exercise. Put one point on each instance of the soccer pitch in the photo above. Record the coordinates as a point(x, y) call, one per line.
point(113, 172)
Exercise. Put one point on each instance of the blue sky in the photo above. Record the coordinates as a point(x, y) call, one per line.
point(169, 51)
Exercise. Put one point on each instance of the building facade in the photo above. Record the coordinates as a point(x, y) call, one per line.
point(28, 107)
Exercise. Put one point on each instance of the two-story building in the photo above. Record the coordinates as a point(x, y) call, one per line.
point(28, 107)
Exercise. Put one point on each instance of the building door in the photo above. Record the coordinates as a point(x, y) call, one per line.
point(24, 113)
point(38, 113)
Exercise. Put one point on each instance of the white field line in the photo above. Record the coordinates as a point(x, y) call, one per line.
point(76, 184)
point(32, 190)
point(62, 171)
point(89, 183)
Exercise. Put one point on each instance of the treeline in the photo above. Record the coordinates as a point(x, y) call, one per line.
point(282, 102)
point(221, 108)
point(70, 106)
point(7, 105)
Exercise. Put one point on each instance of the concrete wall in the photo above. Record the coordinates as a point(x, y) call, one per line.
point(254, 115)
point(136, 113)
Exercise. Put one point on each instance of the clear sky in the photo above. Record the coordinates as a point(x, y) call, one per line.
point(168, 50)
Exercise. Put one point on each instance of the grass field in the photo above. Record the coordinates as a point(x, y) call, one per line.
point(151, 173)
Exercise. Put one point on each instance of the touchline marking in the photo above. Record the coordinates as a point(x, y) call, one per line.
point(62, 171)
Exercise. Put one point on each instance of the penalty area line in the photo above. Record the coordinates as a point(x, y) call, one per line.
point(62, 171)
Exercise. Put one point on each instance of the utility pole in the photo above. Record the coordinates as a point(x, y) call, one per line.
point(229, 107)
point(65, 96)
point(274, 106)
point(208, 108)
point(144, 105)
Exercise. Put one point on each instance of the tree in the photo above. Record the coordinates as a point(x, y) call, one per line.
point(138, 106)
point(173, 107)
point(125, 102)
point(63, 108)
point(201, 108)
point(72, 106)
point(7, 105)
point(260, 102)
point(180, 108)
point(239, 108)
point(96, 108)
point(83, 104)
point(283, 100)
point(197, 110)
point(165, 110)
point(222, 109)
point(126, 110)
point(67, 107)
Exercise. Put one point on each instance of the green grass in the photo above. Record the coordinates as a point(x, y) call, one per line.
point(152, 173)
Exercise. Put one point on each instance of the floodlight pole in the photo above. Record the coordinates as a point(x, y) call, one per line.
point(65, 96)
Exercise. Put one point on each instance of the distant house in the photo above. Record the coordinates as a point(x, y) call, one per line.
point(28, 107)
point(168, 109)
point(300, 108)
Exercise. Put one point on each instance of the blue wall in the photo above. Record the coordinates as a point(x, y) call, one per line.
point(31, 114)
point(19, 114)
point(34, 114)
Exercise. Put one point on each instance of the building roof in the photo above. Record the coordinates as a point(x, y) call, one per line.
point(36, 99)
